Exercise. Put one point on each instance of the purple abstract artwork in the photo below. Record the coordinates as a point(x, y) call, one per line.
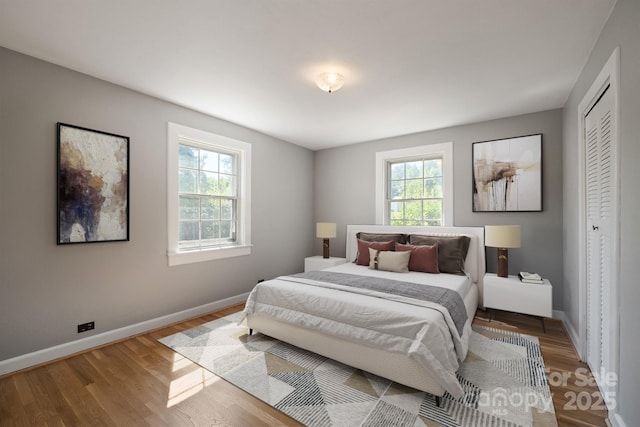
point(93, 186)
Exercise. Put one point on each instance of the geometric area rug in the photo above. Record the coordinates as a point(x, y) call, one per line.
point(503, 378)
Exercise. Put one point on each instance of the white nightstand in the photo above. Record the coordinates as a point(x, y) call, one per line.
point(314, 263)
point(510, 294)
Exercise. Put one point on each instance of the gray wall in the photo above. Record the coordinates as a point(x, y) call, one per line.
point(622, 29)
point(345, 189)
point(46, 290)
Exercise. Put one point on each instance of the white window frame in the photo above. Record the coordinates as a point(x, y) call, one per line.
point(242, 246)
point(443, 150)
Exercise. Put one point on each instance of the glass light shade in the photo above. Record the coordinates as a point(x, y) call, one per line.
point(502, 236)
point(326, 230)
point(330, 82)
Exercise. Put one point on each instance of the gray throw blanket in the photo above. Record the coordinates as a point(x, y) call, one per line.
point(449, 299)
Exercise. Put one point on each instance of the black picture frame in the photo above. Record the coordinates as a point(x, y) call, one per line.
point(92, 186)
point(507, 174)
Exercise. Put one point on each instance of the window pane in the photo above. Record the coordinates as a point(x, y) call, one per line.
point(189, 230)
point(433, 167)
point(396, 211)
point(414, 189)
point(225, 229)
point(226, 209)
point(189, 208)
point(414, 169)
point(225, 187)
point(208, 161)
point(226, 164)
point(397, 190)
point(433, 187)
point(210, 208)
point(210, 230)
point(187, 157)
point(187, 181)
point(397, 171)
point(433, 209)
point(209, 183)
point(413, 211)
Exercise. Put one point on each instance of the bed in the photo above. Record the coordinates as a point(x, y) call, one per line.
point(415, 343)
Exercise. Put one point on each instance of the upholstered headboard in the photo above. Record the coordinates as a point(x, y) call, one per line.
point(475, 264)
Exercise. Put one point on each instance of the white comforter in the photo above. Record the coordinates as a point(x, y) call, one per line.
point(415, 328)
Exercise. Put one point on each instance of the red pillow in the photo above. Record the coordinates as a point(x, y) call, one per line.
point(424, 258)
point(363, 250)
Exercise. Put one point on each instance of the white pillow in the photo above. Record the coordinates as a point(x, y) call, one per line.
point(389, 260)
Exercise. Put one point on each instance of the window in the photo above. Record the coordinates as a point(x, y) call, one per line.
point(209, 196)
point(414, 193)
point(414, 186)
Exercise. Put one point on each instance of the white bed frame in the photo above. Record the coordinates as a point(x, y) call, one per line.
point(394, 366)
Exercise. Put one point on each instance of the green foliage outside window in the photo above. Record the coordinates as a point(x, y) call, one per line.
point(207, 186)
point(415, 192)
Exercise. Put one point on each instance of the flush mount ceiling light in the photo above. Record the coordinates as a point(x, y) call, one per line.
point(330, 82)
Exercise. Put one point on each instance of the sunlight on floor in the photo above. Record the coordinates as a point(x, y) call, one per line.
point(180, 362)
point(193, 381)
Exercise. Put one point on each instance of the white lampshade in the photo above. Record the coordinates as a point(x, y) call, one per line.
point(326, 230)
point(502, 236)
point(330, 82)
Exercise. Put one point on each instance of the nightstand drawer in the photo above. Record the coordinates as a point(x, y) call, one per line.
point(510, 294)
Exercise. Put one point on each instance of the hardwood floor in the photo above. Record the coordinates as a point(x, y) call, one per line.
point(139, 382)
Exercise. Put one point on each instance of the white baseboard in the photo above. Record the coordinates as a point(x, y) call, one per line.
point(56, 352)
point(568, 326)
point(573, 335)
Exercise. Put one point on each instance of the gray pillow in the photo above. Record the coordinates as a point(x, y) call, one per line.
point(452, 250)
point(382, 237)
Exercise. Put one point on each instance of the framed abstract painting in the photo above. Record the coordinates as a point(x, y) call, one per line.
point(507, 175)
point(93, 186)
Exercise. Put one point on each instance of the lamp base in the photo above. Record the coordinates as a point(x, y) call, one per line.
point(503, 262)
point(325, 248)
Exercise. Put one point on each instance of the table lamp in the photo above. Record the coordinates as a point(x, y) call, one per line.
point(502, 237)
point(326, 231)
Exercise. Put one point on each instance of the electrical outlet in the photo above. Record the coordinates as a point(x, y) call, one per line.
point(84, 327)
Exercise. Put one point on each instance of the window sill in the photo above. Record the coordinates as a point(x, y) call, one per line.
point(189, 257)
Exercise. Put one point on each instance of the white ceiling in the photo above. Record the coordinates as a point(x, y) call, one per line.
point(409, 65)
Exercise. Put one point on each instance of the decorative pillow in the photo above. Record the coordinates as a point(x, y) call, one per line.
point(382, 237)
point(389, 261)
point(452, 250)
point(424, 258)
point(363, 250)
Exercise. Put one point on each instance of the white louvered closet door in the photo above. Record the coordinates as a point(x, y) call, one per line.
point(599, 199)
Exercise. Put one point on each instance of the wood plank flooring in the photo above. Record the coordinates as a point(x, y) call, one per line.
point(138, 381)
